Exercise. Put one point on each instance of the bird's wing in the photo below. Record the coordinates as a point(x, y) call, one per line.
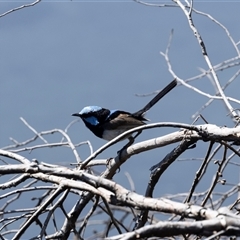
point(123, 121)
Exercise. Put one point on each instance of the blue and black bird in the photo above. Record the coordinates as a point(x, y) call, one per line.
point(108, 124)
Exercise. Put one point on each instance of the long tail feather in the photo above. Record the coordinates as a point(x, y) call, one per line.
point(160, 95)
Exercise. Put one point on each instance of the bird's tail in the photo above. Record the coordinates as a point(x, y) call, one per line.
point(160, 95)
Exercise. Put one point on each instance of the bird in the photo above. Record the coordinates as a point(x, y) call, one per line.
point(108, 124)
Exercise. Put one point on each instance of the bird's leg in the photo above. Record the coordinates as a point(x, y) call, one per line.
point(131, 141)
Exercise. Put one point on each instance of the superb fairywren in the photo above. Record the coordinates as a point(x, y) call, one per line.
point(108, 124)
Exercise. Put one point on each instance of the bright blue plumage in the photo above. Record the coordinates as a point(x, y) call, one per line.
point(92, 120)
point(89, 109)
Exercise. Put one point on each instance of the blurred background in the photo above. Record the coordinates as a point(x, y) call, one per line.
point(59, 56)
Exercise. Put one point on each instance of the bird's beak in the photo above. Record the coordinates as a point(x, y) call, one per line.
point(76, 114)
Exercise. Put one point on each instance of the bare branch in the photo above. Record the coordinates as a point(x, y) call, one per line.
point(19, 8)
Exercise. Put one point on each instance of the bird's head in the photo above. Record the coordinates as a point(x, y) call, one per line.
point(92, 115)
